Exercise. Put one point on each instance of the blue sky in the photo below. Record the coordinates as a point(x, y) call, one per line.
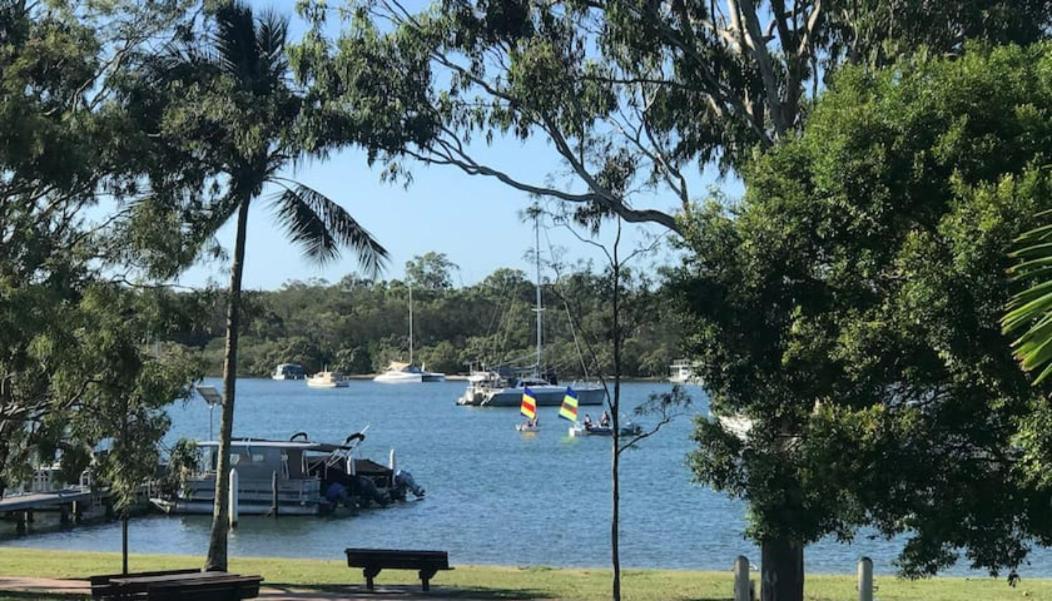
point(476, 221)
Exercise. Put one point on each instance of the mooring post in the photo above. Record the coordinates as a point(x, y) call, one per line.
point(63, 514)
point(865, 579)
point(20, 522)
point(392, 462)
point(78, 512)
point(232, 504)
point(741, 579)
point(274, 494)
point(29, 516)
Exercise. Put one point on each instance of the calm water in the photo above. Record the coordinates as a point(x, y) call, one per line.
point(493, 495)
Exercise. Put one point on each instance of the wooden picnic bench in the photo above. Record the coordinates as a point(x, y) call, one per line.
point(175, 584)
point(373, 560)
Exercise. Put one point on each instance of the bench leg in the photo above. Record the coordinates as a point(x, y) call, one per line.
point(370, 573)
point(425, 578)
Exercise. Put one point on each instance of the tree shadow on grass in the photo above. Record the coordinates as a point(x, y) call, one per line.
point(404, 592)
point(39, 596)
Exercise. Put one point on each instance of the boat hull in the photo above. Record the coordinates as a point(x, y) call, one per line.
point(205, 507)
point(340, 384)
point(547, 396)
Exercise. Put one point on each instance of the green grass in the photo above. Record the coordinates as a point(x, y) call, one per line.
point(496, 582)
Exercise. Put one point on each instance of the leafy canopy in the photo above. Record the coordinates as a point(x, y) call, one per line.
point(849, 305)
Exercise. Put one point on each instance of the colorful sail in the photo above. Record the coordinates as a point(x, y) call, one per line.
point(569, 408)
point(529, 404)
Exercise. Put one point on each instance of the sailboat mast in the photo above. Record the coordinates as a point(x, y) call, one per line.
point(410, 324)
point(540, 308)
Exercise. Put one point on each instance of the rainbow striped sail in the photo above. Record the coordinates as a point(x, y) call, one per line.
point(529, 404)
point(569, 409)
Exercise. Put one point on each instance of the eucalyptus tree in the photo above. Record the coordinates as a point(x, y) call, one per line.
point(631, 96)
point(221, 110)
point(67, 358)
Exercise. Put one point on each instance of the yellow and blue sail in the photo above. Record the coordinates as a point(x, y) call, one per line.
point(529, 404)
point(569, 408)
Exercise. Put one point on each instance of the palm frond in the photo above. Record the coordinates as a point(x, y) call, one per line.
point(321, 227)
point(235, 41)
point(1029, 312)
point(271, 35)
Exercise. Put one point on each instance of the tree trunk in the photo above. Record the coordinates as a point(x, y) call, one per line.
point(782, 570)
point(217, 542)
point(615, 409)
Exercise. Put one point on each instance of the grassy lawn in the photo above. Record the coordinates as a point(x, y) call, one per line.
point(496, 582)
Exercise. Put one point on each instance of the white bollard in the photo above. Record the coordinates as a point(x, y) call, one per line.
point(742, 589)
point(233, 500)
point(865, 579)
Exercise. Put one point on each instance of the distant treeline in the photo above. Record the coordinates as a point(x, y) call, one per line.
point(359, 326)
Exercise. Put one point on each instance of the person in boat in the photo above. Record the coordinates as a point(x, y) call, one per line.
point(587, 422)
point(604, 421)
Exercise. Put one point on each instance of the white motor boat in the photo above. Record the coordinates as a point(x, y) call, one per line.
point(327, 379)
point(288, 371)
point(682, 372)
point(406, 373)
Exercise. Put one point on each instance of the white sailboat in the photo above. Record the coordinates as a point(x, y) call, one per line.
point(496, 389)
point(407, 373)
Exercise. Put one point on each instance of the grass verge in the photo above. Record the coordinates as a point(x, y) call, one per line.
point(500, 582)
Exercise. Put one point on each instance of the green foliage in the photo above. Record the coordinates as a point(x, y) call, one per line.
point(433, 271)
point(630, 95)
point(849, 308)
point(75, 373)
point(360, 326)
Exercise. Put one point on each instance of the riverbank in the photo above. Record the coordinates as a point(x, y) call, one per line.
point(537, 582)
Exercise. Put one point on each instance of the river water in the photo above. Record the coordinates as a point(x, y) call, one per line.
point(494, 496)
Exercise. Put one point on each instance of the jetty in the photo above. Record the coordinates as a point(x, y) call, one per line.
point(70, 503)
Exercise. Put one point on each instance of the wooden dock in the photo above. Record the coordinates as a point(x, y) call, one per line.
point(68, 502)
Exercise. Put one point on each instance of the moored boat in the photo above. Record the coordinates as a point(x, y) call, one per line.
point(288, 371)
point(327, 379)
point(682, 372)
point(406, 373)
point(505, 387)
point(579, 429)
point(303, 477)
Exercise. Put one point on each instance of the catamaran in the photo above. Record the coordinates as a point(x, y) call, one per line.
point(505, 387)
point(407, 373)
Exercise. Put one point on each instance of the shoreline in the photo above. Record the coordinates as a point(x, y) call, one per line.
point(449, 378)
point(510, 582)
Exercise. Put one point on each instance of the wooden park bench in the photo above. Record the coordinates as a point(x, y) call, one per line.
point(373, 560)
point(175, 584)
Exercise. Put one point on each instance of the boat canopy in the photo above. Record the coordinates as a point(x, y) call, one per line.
point(303, 445)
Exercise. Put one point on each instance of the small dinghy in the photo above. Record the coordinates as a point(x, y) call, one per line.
point(527, 428)
point(593, 430)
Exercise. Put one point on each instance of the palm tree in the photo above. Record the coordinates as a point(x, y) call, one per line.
point(1030, 311)
point(229, 112)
